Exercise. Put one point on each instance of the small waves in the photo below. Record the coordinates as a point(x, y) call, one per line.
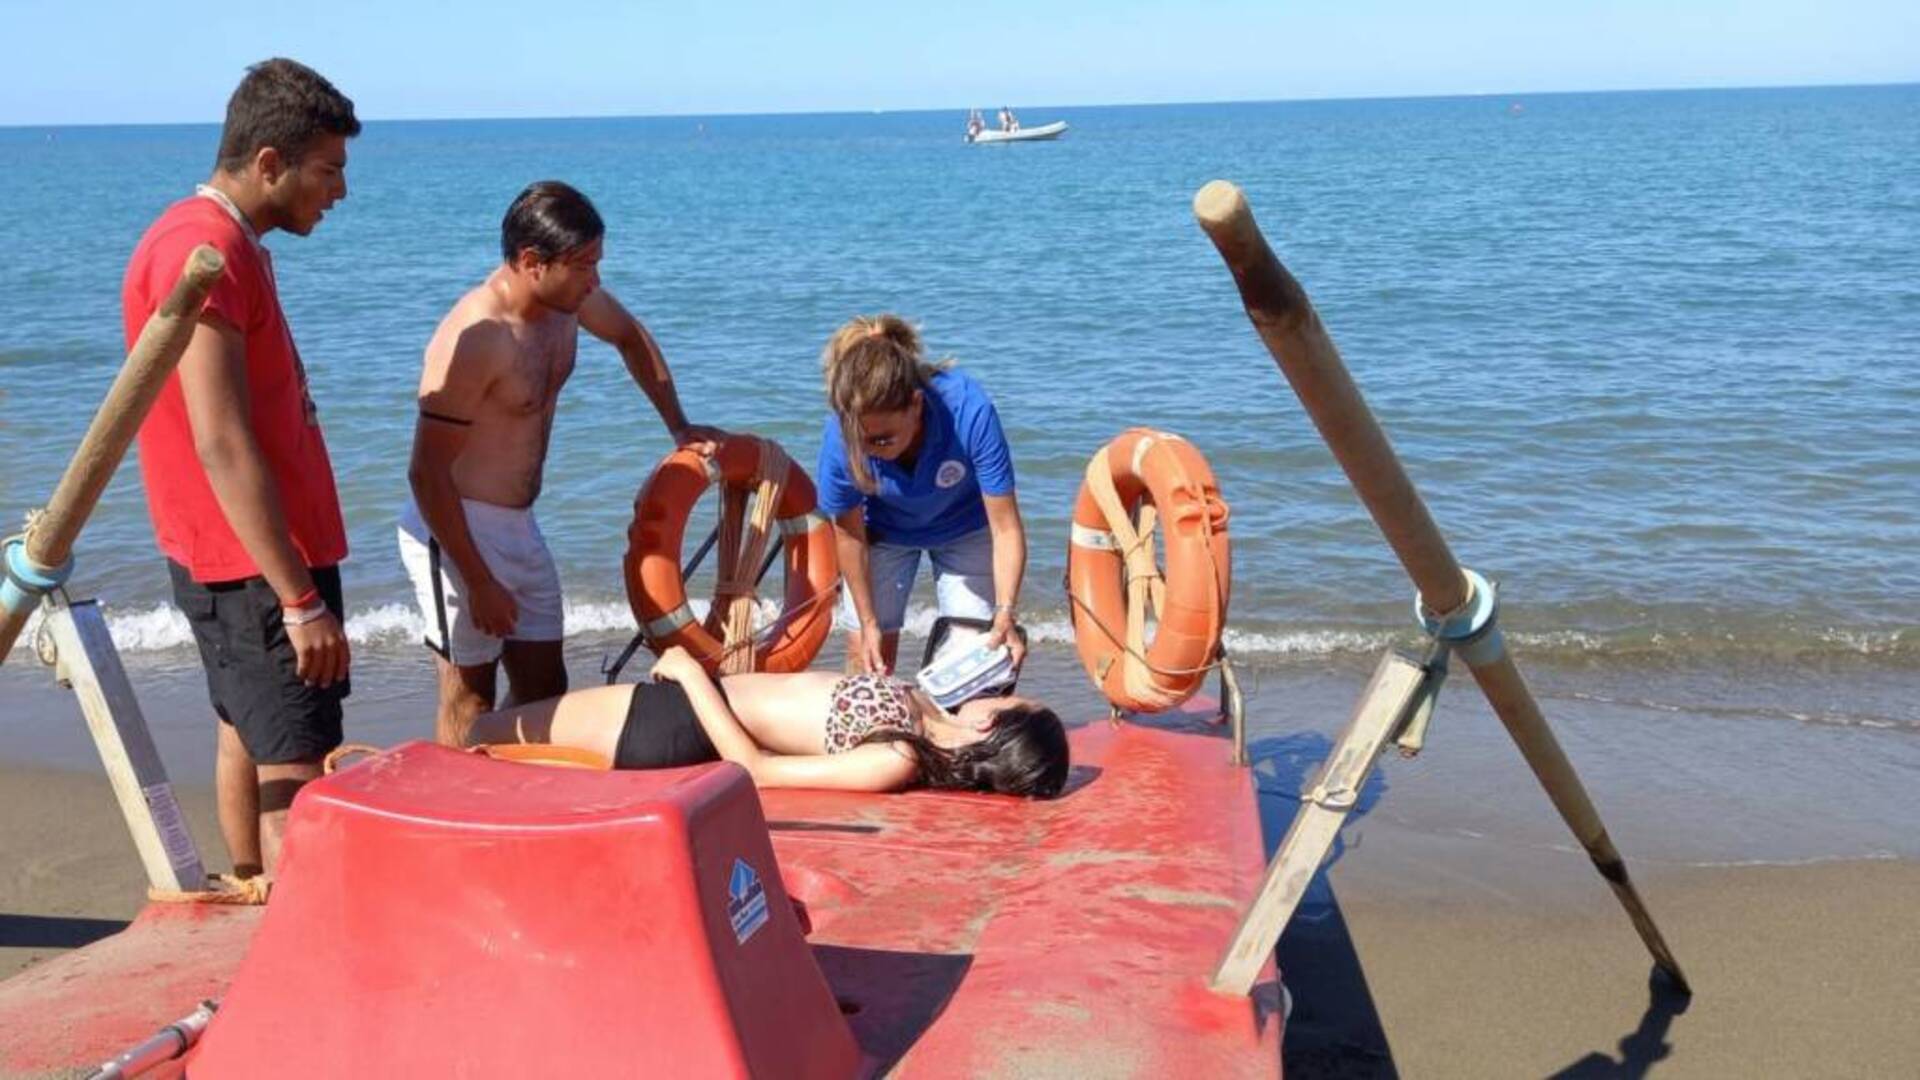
point(1842, 679)
point(161, 627)
point(1818, 717)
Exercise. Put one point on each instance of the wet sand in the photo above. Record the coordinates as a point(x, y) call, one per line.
point(1459, 932)
point(1470, 962)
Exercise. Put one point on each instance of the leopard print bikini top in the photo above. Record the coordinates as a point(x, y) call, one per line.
point(863, 704)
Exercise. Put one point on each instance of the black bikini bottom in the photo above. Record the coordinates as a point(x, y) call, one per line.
point(662, 731)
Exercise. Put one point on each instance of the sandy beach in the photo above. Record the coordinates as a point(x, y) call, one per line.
point(1459, 931)
point(1520, 966)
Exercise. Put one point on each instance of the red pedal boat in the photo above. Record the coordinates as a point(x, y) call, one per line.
point(442, 914)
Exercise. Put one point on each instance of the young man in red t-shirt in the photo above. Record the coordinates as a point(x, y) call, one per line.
point(237, 476)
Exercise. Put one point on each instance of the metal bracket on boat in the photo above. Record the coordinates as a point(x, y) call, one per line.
point(1472, 630)
point(1233, 706)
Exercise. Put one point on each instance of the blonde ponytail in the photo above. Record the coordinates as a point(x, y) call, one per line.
point(872, 364)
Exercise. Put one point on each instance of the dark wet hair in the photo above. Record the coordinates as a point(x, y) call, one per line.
point(283, 104)
point(1023, 753)
point(550, 219)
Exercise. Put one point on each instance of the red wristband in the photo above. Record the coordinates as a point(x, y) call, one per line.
point(304, 600)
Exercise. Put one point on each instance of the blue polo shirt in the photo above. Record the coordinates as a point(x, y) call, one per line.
point(963, 455)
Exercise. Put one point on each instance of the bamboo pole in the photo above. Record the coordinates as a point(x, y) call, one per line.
point(49, 542)
point(1292, 331)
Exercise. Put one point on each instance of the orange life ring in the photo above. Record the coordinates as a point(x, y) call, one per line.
point(1138, 468)
point(657, 594)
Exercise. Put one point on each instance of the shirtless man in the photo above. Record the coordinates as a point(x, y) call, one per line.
point(487, 584)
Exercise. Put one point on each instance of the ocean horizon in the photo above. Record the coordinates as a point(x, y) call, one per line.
point(948, 110)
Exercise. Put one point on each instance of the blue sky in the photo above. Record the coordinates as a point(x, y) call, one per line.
point(121, 61)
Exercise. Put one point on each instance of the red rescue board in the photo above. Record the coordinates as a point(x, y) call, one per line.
point(438, 908)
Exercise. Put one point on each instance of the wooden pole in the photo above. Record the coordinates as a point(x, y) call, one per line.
point(1291, 329)
point(49, 543)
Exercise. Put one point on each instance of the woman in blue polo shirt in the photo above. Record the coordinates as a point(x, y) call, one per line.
point(913, 460)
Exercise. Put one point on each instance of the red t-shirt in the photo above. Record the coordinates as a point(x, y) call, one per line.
point(187, 520)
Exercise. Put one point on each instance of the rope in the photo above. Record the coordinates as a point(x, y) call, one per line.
point(24, 580)
point(44, 646)
point(346, 750)
point(28, 521)
point(725, 652)
point(1132, 653)
point(221, 889)
point(743, 541)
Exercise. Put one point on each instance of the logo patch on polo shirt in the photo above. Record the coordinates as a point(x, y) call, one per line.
point(951, 473)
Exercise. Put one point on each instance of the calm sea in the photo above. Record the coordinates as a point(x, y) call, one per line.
point(1653, 358)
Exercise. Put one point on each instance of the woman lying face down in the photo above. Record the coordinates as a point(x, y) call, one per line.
point(808, 729)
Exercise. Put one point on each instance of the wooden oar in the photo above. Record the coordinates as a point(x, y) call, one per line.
point(49, 542)
point(1306, 355)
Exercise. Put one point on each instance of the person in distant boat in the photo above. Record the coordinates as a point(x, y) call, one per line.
point(1008, 121)
point(809, 729)
point(913, 461)
point(235, 466)
point(975, 125)
point(487, 584)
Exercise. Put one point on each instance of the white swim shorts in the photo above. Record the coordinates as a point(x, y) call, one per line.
point(510, 542)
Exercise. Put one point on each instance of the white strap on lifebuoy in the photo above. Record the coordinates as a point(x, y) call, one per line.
point(1140, 449)
point(1094, 539)
point(801, 524)
point(659, 628)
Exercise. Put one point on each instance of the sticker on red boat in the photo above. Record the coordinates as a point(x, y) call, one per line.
point(172, 824)
point(746, 902)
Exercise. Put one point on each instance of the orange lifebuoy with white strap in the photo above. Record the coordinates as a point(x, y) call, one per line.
point(1116, 584)
point(657, 593)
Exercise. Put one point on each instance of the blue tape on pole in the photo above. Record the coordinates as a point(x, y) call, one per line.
point(26, 581)
point(1484, 649)
point(1470, 631)
point(12, 597)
